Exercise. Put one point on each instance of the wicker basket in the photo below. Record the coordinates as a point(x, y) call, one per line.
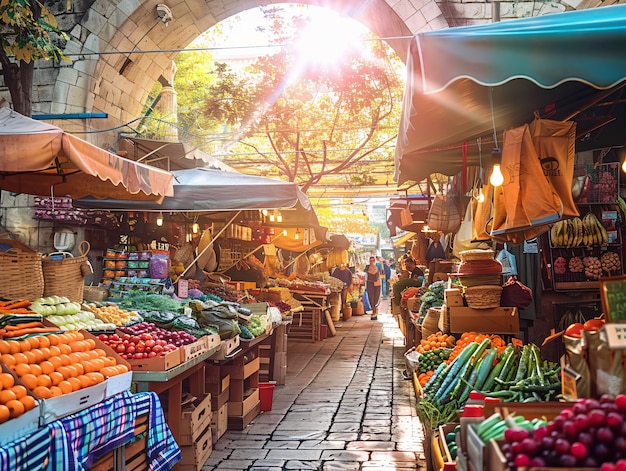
point(483, 297)
point(21, 275)
point(66, 277)
point(477, 254)
point(479, 280)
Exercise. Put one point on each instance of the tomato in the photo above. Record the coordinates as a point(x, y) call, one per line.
point(574, 330)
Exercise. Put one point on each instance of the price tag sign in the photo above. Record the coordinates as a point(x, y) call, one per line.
point(613, 294)
point(615, 335)
point(183, 289)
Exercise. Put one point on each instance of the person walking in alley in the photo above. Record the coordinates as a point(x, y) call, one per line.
point(387, 270)
point(373, 285)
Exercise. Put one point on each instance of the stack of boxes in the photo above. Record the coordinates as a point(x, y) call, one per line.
point(196, 442)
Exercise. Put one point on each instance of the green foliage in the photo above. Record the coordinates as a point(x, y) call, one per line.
point(302, 121)
point(30, 25)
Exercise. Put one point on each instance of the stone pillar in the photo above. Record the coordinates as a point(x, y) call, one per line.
point(168, 106)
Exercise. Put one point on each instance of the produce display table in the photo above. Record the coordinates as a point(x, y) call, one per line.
point(81, 440)
point(172, 381)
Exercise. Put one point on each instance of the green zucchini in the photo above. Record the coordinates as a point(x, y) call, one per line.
point(522, 369)
point(456, 366)
point(495, 371)
point(486, 365)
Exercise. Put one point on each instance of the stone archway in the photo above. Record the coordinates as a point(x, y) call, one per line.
point(105, 75)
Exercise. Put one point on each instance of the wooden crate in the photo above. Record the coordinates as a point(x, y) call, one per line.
point(306, 325)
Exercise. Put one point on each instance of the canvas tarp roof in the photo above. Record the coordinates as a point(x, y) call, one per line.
point(461, 82)
point(38, 158)
point(205, 189)
point(170, 155)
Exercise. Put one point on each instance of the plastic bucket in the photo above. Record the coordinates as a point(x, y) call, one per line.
point(266, 395)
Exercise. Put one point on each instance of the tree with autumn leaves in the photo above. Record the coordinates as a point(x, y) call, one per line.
point(26, 30)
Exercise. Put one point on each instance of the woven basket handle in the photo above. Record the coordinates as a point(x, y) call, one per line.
point(84, 248)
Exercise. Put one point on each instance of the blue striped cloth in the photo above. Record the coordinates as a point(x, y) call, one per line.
point(75, 442)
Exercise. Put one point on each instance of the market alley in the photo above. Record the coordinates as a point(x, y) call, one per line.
point(345, 406)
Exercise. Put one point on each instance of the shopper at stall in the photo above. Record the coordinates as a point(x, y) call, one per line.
point(412, 270)
point(373, 286)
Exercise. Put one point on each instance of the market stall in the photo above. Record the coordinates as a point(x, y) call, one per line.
point(41, 159)
point(478, 88)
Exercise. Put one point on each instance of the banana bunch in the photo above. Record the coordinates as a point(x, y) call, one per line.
point(594, 232)
point(567, 233)
point(576, 232)
point(622, 209)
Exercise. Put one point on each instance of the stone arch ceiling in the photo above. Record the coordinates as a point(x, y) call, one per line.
point(118, 84)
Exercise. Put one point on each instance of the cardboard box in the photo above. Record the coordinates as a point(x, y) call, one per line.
point(443, 444)
point(237, 372)
point(212, 341)
point(241, 285)
point(25, 424)
point(58, 407)
point(227, 349)
point(218, 401)
point(219, 423)
point(196, 454)
point(500, 320)
point(240, 409)
point(160, 363)
point(193, 350)
point(118, 384)
point(214, 383)
point(194, 420)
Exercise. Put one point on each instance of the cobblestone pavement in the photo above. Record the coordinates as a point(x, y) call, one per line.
point(344, 407)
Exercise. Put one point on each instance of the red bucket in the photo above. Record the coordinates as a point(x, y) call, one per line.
point(266, 395)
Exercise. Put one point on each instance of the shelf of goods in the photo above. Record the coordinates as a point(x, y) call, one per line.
point(585, 249)
point(122, 432)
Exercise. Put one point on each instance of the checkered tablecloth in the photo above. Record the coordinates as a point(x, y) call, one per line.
point(76, 441)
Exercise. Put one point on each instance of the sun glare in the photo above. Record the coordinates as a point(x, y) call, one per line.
point(329, 38)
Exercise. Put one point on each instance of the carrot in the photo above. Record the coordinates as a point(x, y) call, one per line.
point(15, 304)
point(24, 325)
point(31, 330)
point(4, 310)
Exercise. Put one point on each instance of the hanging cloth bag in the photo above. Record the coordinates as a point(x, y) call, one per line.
point(554, 142)
point(463, 239)
point(527, 197)
point(444, 214)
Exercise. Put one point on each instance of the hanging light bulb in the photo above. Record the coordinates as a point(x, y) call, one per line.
point(264, 212)
point(481, 196)
point(279, 217)
point(284, 232)
point(496, 178)
point(159, 220)
point(272, 217)
point(624, 165)
point(195, 228)
point(297, 236)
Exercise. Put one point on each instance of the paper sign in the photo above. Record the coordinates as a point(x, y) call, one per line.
point(615, 335)
point(183, 289)
point(613, 294)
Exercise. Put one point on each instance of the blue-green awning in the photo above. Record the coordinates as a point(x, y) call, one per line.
point(555, 64)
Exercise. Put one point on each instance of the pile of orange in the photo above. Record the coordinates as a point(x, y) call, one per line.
point(14, 398)
point(434, 341)
point(52, 365)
